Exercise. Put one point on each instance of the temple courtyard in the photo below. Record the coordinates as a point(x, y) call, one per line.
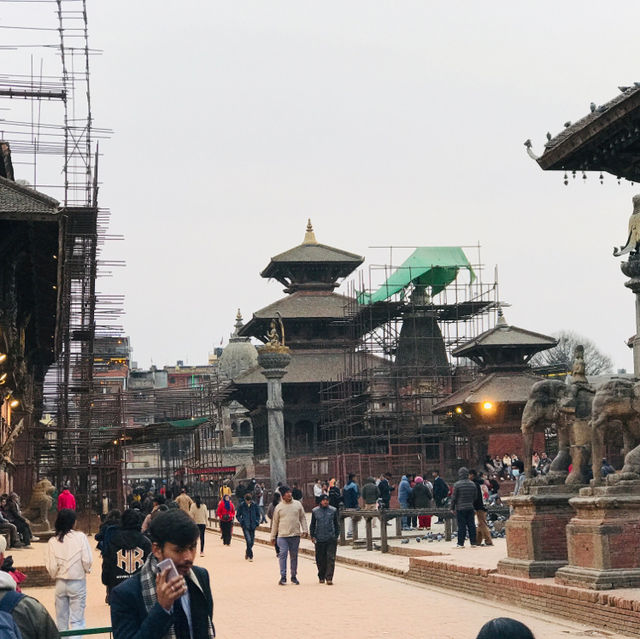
point(370, 596)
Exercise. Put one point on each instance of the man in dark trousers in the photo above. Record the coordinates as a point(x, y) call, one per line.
point(324, 531)
point(153, 604)
point(462, 502)
point(440, 490)
point(248, 515)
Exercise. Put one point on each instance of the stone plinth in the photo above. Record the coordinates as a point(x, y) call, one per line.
point(536, 539)
point(274, 361)
point(603, 538)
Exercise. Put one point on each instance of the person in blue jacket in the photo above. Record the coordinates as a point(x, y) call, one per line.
point(404, 496)
point(154, 605)
point(248, 514)
point(350, 495)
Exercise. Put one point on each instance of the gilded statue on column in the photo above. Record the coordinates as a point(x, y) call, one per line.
point(275, 336)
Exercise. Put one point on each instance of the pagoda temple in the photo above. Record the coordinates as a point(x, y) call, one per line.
point(489, 409)
point(316, 331)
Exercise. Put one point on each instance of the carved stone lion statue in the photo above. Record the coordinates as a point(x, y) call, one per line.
point(39, 504)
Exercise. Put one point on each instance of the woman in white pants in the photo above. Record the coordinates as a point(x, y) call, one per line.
point(68, 560)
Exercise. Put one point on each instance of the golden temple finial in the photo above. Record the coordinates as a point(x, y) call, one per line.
point(309, 236)
point(239, 316)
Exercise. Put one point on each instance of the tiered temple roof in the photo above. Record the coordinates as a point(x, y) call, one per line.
point(313, 315)
point(503, 355)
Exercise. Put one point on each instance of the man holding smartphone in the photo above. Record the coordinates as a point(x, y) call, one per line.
point(165, 601)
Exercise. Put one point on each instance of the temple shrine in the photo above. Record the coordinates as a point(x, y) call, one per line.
point(313, 316)
point(490, 408)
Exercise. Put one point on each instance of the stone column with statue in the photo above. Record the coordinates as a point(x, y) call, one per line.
point(605, 530)
point(274, 357)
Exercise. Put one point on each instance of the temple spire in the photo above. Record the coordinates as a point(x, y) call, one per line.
point(501, 320)
point(309, 236)
point(238, 324)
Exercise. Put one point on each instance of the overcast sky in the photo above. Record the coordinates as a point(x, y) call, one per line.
point(384, 122)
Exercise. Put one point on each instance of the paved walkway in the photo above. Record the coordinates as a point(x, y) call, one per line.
point(361, 603)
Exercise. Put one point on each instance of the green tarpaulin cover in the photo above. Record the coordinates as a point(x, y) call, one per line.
point(434, 266)
point(186, 423)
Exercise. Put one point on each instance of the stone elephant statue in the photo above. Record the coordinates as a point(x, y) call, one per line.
point(617, 402)
point(568, 408)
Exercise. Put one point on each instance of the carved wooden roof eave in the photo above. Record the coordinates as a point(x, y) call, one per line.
point(506, 337)
point(310, 254)
point(503, 387)
point(575, 147)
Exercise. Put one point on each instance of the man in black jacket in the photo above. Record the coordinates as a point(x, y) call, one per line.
point(440, 490)
point(126, 552)
point(324, 531)
point(151, 604)
point(248, 515)
point(385, 488)
point(462, 501)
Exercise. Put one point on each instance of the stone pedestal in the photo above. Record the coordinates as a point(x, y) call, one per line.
point(536, 540)
point(274, 361)
point(603, 538)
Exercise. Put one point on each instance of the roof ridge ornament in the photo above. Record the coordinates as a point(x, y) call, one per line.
point(309, 236)
point(501, 319)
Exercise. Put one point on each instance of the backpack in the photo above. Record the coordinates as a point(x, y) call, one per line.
point(8, 627)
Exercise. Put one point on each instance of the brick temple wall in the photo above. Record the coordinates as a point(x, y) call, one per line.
point(510, 443)
point(604, 609)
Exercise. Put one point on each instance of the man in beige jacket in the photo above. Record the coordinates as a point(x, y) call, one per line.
point(289, 522)
point(184, 501)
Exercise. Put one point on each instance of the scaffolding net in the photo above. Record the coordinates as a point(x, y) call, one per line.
point(406, 317)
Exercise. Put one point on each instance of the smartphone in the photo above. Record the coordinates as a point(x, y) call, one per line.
point(168, 564)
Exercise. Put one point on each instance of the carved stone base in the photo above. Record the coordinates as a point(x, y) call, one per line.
point(529, 568)
point(598, 579)
point(536, 540)
point(602, 538)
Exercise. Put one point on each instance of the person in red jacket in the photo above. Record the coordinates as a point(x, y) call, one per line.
point(66, 500)
point(225, 513)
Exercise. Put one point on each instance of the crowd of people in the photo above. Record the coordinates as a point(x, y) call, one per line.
point(159, 529)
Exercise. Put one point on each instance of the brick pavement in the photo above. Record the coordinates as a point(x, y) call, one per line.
point(362, 603)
